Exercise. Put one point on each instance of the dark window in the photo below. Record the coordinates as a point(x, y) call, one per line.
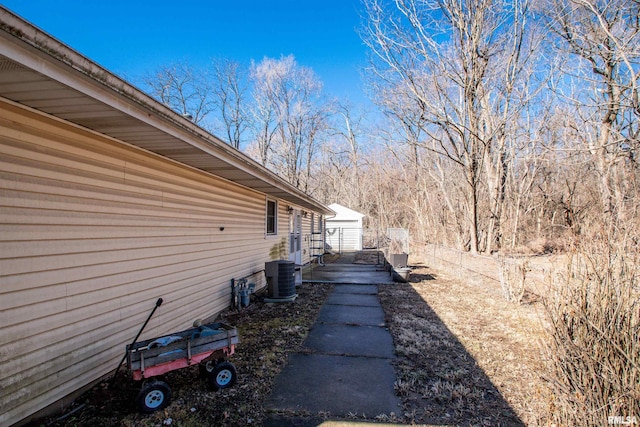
point(272, 217)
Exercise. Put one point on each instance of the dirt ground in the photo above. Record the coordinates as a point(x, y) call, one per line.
point(267, 333)
point(464, 357)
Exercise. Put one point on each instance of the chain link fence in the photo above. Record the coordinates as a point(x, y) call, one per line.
point(390, 240)
point(518, 278)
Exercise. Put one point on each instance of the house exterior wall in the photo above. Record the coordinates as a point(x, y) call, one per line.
point(92, 232)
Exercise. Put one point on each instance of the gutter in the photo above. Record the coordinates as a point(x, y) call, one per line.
point(56, 60)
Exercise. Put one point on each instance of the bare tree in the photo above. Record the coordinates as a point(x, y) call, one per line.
point(289, 115)
point(229, 88)
point(330, 180)
point(603, 38)
point(463, 65)
point(264, 117)
point(349, 129)
point(184, 89)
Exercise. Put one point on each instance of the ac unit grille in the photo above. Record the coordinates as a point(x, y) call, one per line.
point(281, 278)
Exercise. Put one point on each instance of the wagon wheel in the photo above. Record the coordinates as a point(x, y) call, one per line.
point(206, 368)
point(222, 376)
point(153, 396)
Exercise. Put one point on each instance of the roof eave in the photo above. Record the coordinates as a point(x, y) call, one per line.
point(34, 49)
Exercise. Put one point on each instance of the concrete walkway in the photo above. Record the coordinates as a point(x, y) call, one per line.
point(345, 365)
point(363, 274)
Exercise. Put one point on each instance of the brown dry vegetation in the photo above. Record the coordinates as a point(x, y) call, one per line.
point(465, 356)
point(267, 333)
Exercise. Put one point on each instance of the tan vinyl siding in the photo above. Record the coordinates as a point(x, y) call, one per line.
point(92, 232)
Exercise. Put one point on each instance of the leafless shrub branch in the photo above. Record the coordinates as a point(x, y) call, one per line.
point(513, 279)
point(594, 339)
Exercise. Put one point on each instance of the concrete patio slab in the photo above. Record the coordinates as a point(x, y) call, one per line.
point(352, 315)
point(356, 289)
point(345, 364)
point(363, 300)
point(335, 384)
point(369, 341)
point(352, 267)
point(348, 274)
point(284, 421)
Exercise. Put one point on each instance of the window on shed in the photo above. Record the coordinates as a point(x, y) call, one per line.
point(272, 217)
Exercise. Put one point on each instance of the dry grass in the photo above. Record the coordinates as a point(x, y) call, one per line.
point(267, 333)
point(465, 355)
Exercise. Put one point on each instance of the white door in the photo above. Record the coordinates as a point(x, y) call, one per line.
point(295, 242)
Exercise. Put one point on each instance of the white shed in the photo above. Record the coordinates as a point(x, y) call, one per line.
point(344, 230)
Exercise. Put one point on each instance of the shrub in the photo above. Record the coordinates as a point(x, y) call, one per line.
point(513, 279)
point(594, 339)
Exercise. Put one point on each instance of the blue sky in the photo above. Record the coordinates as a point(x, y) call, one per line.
point(132, 37)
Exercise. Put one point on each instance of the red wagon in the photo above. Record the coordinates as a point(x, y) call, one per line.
point(207, 345)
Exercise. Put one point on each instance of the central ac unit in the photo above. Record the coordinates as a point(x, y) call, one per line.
point(281, 280)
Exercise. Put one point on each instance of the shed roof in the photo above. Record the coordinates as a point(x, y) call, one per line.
point(39, 71)
point(343, 213)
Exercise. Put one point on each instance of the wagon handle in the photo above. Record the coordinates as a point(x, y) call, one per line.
point(158, 304)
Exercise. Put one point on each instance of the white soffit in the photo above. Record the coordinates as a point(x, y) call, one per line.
point(40, 72)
